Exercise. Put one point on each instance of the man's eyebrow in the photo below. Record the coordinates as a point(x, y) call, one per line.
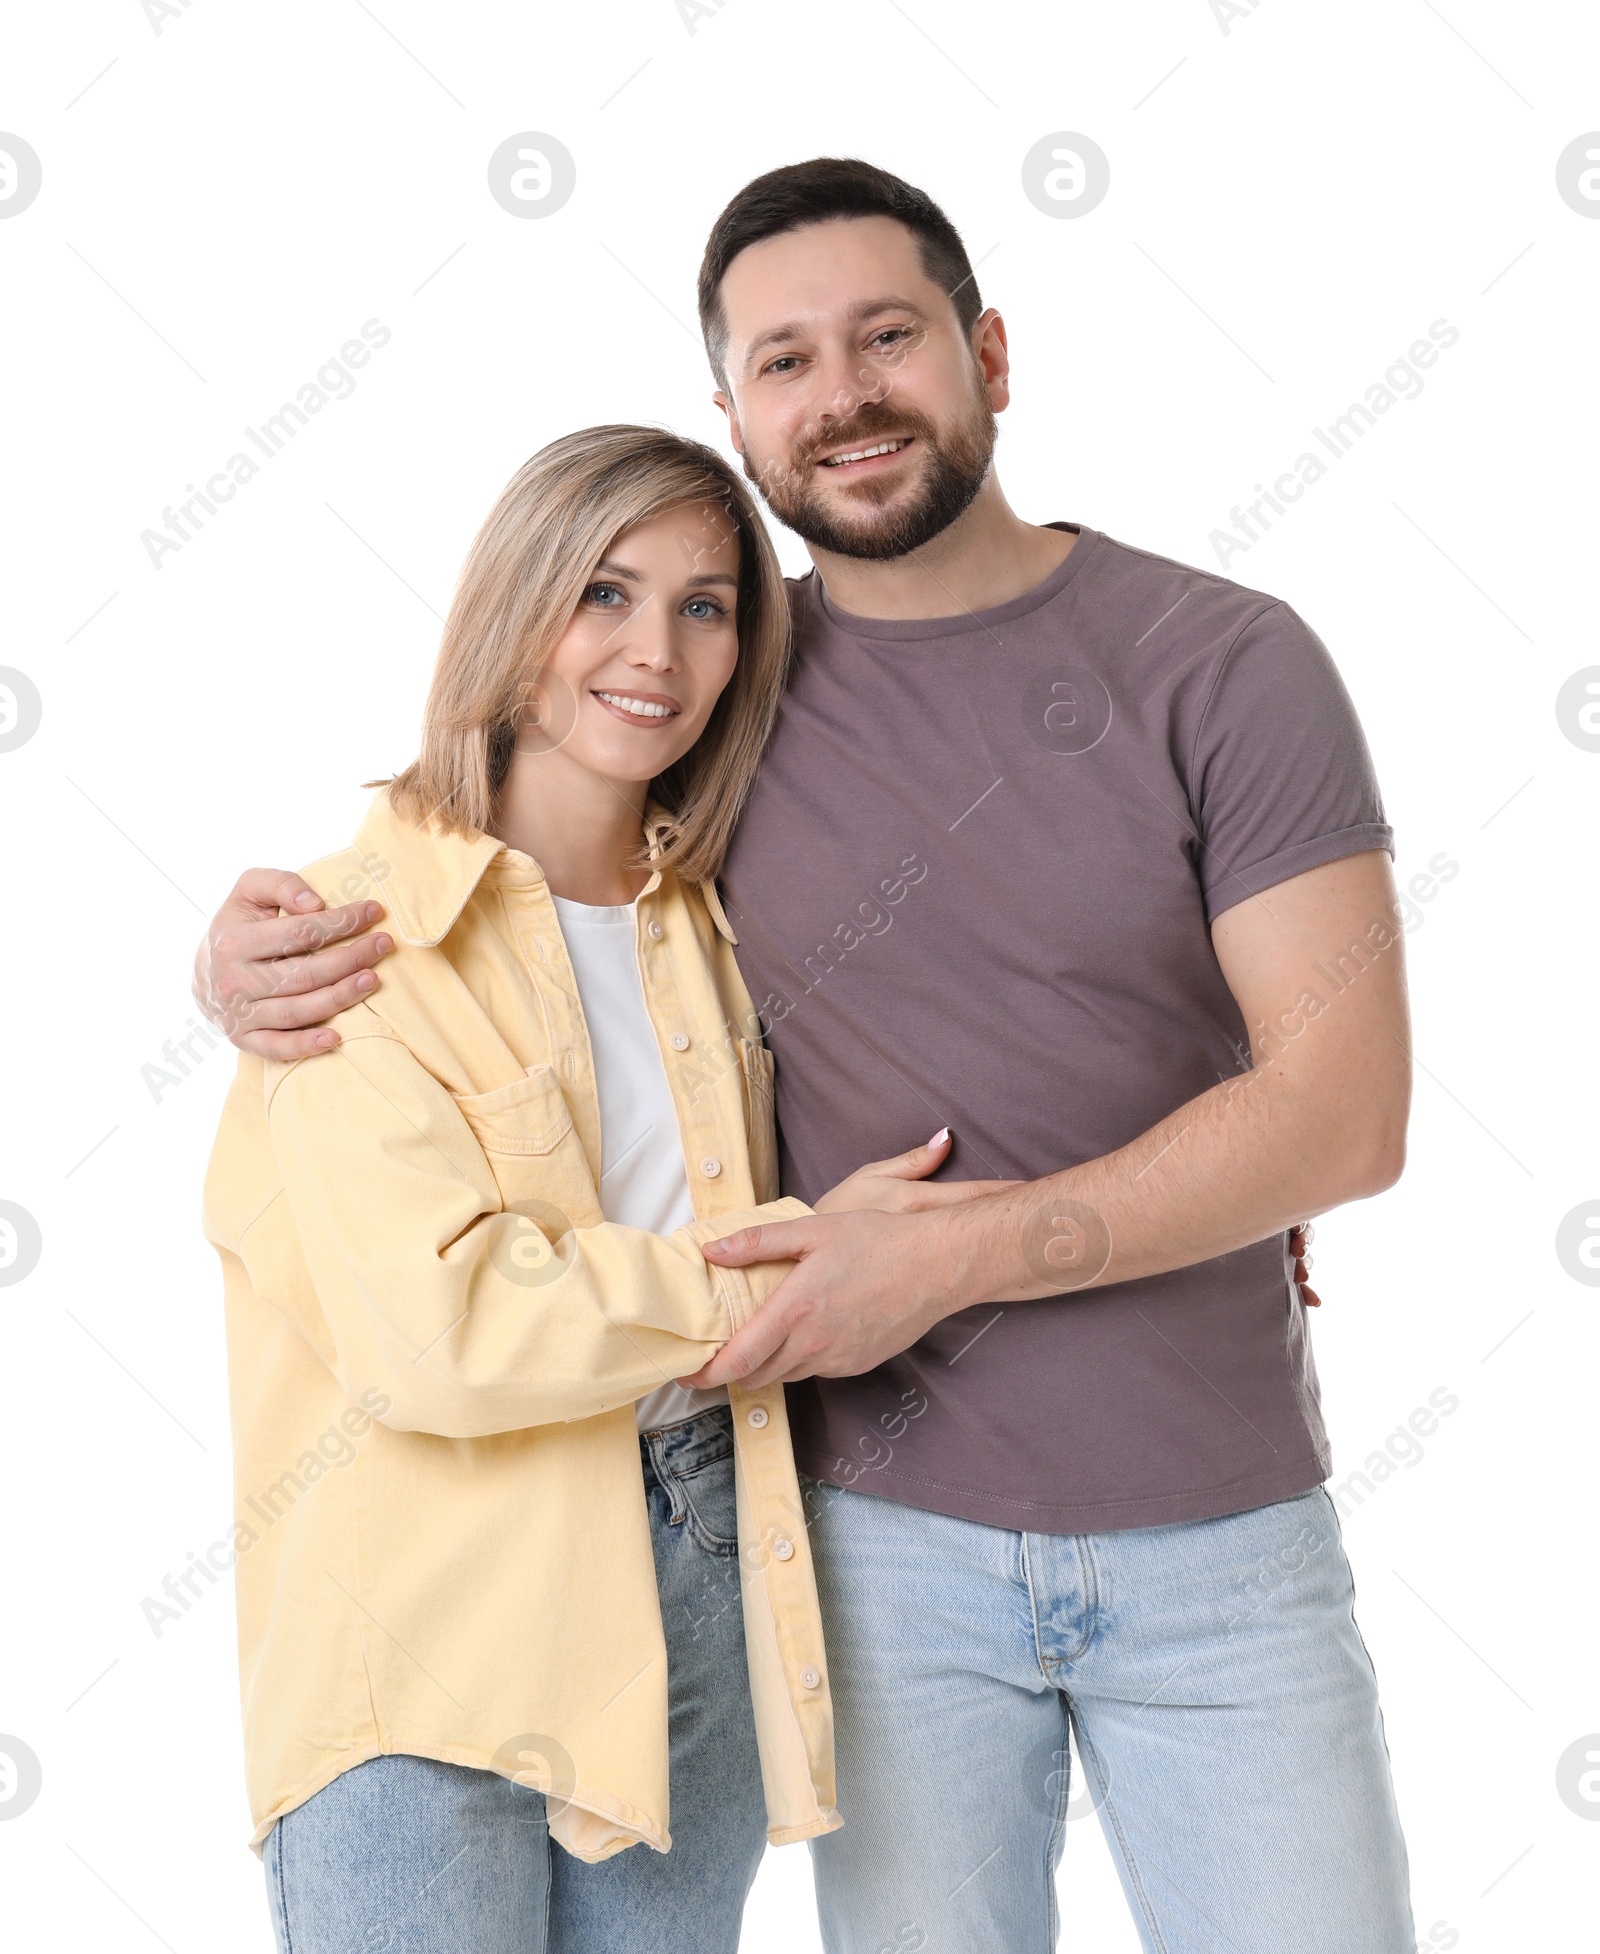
point(858, 314)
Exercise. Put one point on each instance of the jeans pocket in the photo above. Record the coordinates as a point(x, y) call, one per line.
point(713, 1512)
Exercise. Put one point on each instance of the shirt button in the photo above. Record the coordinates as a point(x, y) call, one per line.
point(783, 1549)
point(679, 1041)
point(655, 931)
point(758, 1417)
point(811, 1678)
point(710, 1168)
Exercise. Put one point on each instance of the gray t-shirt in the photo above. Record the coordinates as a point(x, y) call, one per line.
point(974, 885)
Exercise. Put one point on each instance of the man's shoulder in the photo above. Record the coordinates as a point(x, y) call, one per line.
point(1126, 566)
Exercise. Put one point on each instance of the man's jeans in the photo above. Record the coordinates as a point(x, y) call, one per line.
point(1224, 1706)
point(412, 1856)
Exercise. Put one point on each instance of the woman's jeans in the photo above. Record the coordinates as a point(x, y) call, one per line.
point(410, 1856)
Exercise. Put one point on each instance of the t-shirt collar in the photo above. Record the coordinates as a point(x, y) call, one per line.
point(908, 629)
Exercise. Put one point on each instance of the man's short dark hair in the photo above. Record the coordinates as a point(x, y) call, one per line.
point(812, 193)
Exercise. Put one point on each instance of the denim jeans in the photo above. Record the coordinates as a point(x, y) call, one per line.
point(1224, 1707)
point(411, 1856)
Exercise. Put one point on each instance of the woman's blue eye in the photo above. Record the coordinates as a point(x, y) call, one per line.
point(600, 593)
point(704, 607)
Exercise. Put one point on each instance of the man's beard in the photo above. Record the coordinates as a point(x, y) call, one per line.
point(953, 471)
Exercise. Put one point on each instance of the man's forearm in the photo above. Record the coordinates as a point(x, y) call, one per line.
point(1244, 1160)
point(1319, 1120)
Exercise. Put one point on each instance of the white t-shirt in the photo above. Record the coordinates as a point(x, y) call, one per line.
point(642, 1178)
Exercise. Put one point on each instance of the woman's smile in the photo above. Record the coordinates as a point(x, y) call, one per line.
point(637, 708)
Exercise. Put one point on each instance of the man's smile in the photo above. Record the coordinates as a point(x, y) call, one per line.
point(868, 458)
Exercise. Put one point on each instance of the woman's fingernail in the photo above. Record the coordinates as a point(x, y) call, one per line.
point(940, 1137)
point(327, 1041)
point(365, 981)
point(306, 900)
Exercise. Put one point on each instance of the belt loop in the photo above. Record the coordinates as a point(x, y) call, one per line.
point(655, 1447)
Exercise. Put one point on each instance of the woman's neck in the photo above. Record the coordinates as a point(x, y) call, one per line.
point(580, 827)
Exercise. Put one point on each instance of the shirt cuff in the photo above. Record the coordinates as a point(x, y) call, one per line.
point(743, 1291)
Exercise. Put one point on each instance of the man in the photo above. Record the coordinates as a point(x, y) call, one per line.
point(1078, 851)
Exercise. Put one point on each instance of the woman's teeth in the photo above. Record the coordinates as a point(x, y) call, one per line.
point(640, 708)
point(864, 454)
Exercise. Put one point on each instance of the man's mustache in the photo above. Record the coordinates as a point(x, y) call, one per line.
point(872, 421)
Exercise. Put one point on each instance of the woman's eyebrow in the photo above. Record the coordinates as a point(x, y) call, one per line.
point(606, 568)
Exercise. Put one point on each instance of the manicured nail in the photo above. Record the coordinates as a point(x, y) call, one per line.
point(383, 945)
point(327, 1040)
point(307, 900)
point(940, 1137)
point(366, 981)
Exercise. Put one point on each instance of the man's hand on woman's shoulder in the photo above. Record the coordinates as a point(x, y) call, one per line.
point(277, 963)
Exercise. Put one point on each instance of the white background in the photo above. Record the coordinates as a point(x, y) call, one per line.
point(1296, 195)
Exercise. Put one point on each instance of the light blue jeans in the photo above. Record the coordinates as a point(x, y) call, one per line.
point(410, 1856)
point(1224, 1707)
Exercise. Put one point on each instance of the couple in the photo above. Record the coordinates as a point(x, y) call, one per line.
point(1067, 853)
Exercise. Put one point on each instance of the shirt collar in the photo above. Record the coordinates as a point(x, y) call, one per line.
point(427, 875)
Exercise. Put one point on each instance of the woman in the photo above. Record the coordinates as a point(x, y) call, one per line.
point(463, 1272)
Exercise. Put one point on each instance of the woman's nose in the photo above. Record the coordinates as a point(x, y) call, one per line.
point(651, 639)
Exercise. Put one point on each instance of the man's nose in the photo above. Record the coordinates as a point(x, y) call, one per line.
point(847, 382)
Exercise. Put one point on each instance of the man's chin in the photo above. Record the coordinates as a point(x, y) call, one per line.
point(868, 523)
point(874, 540)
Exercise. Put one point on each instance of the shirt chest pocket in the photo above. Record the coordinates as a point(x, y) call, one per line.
point(526, 1132)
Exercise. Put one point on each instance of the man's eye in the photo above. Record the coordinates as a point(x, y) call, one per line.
point(891, 335)
point(601, 594)
point(784, 363)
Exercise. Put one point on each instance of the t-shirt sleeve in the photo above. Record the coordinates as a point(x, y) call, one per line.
point(1281, 780)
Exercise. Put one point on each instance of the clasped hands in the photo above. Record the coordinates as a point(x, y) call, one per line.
point(877, 1264)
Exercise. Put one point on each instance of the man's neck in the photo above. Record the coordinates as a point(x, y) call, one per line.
point(986, 557)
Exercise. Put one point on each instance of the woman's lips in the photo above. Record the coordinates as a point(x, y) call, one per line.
point(655, 709)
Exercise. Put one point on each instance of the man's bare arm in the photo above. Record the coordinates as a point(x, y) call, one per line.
point(1317, 968)
point(276, 964)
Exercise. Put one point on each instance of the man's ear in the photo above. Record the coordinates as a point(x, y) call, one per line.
point(989, 349)
point(720, 399)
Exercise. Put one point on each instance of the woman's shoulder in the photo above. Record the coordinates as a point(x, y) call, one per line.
point(349, 874)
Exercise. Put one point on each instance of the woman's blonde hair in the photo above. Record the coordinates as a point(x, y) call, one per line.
point(518, 591)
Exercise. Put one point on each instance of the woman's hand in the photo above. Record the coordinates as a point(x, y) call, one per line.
point(898, 1185)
